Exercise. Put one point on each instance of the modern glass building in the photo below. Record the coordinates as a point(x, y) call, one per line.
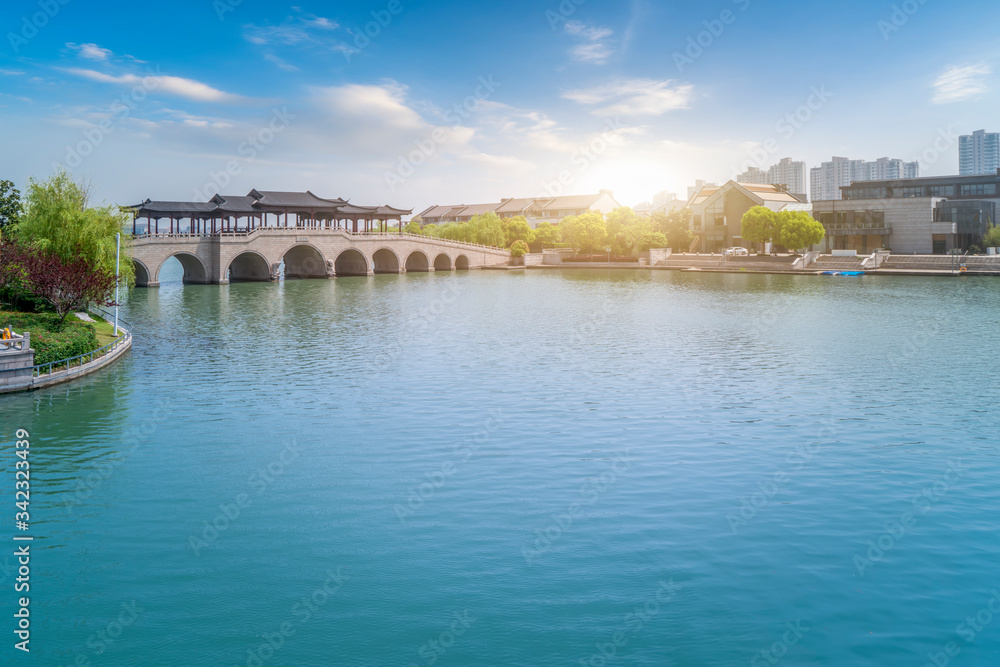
point(930, 215)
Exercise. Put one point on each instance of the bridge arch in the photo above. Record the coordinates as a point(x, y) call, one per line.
point(351, 262)
point(141, 273)
point(194, 268)
point(417, 261)
point(249, 266)
point(386, 261)
point(462, 263)
point(304, 261)
point(442, 263)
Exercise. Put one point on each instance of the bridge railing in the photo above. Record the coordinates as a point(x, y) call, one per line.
point(259, 230)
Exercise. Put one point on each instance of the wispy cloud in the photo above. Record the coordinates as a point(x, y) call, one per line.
point(11, 72)
point(594, 47)
point(635, 97)
point(298, 31)
point(959, 83)
point(174, 85)
point(288, 67)
point(90, 51)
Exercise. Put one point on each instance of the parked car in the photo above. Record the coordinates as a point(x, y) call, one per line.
point(737, 252)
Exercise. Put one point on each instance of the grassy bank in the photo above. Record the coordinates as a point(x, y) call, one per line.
point(51, 344)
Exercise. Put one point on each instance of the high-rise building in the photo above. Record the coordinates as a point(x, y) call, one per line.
point(978, 153)
point(827, 179)
point(787, 173)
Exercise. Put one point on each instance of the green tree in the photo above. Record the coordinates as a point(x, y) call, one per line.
point(546, 234)
point(625, 230)
point(10, 204)
point(759, 225)
point(992, 238)
point(798, 229)
point(487, 229)
point(413, 227)
point(58, 219)
point(651, 240)
point(675, 226)
point(518, 249)
point(517, 229)
point(586, 232)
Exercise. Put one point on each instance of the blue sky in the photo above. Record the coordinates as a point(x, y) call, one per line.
point(452, 102)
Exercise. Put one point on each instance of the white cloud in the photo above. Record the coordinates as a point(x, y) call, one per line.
point(90, 51)
point(635, 97)
point(959, 83)
point(288, 67)
point(175, 85)
point(319, 34)
point(380, 105)
point(11, 72)
point(594, 48)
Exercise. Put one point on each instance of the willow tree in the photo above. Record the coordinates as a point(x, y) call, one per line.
point(58, 219)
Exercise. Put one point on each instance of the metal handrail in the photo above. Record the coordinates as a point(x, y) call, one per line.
point(36, 370)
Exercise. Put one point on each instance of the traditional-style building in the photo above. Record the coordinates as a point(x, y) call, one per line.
point(535, 210)
point(260, 208)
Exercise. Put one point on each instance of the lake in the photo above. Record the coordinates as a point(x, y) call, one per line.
point(525, 468)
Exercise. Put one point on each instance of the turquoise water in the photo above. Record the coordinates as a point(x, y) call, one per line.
point(535, 468)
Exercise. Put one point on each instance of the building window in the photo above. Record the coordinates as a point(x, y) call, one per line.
point(942, 191)
point(697, 222)
point(720, 220)
point(913, 192)
point(979, 189)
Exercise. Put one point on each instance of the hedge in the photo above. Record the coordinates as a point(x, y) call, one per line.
point(50, 345)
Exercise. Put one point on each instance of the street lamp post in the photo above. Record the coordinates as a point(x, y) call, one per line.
point(118, 255)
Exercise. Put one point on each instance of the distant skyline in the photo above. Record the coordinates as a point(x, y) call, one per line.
point(460, 103)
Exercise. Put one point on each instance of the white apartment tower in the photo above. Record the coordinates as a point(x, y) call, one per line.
point(978, 153)
point(788, 173)
point(827, 179)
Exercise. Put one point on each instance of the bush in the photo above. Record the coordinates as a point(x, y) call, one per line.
point(518, 249)
point(51, 344)
point(975, 250)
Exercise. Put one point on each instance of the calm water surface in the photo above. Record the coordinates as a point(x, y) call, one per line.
point(524, 469)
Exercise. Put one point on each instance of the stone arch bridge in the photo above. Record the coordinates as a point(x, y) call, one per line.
point(258, 255)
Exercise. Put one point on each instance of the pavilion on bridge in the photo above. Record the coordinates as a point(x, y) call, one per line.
point(262, 209)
